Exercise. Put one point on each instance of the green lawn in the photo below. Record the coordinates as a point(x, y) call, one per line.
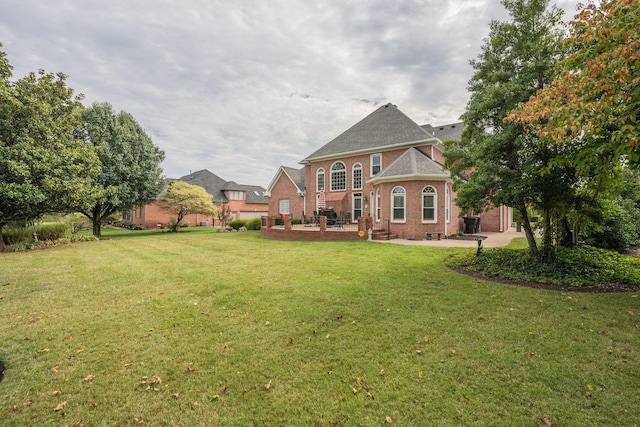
point(203, 328)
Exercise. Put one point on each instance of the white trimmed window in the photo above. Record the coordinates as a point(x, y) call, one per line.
point(376, 164)
point(284, 207)
point(356, 176)
point(338, 177)
point(236, 195)
point(398, 204)
point(378, 199)
point(429, 204)
point(320, 179)
point(357, 206)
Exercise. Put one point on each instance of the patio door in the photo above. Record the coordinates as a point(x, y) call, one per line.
point(357, 206)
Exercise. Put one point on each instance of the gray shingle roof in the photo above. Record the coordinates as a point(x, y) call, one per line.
point(412, 164)
point(297, 176)
point(446, 132)
point(385, 128)
point(216, 186)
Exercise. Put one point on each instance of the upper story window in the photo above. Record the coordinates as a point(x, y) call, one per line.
point(338, 176)
point(320, 179)
point(357, 176)
point(429, 204)
point(398, 200)
point(236, 195)
point(376, 164)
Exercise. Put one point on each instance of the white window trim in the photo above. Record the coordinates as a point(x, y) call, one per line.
point(435, 205)
point(355, 168)
point(284, 206)
point(378, 211)
point(404, 206)
point(324, 179)
point(355, 196)
point(331, 172)
point(371, 163)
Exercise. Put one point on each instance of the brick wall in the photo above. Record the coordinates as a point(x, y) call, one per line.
point(285, 189)
point(151, 215)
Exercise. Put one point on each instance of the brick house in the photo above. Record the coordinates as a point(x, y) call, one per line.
point(387, 167)
point(245, 202)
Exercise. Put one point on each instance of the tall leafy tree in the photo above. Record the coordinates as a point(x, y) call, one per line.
point(596, 98)
point(131, 173)
point(592, 108)
point(497, 162)
point(182, 199)
point(43, 166)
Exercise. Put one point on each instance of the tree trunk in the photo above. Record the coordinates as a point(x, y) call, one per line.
point(96, 220)
point(1, 239)
point(547, 235)
point(97, 228)
point(531, 240)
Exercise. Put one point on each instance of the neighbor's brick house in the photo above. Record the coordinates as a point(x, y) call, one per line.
point(245, 202)
point(385, 166)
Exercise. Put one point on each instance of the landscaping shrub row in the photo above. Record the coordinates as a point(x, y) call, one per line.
point(249, 224)
point(44, 231)
point(582, 266)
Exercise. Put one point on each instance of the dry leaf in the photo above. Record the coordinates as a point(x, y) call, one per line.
point(89, 377)
point(546, 421)
point(175, 395)
point(382, 372)
point(589, 387)
point(138, 421)
point(343, 397)
point(54, 369)
point(56, 392)
point(388, 419)
point(155, 379)
point(27, 402)
point(358, 380)
point(189, 368)
point(60, 406)
point(267, 386)
point(94, 404)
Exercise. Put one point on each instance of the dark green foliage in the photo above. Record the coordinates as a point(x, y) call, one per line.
point(253, 224)
point(582, 266)
point(237, 223)
point(296, 221)
point(45, 232)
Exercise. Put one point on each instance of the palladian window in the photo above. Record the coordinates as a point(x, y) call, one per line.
point(338, 177)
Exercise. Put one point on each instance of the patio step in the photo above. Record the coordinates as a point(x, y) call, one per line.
point(382, 235)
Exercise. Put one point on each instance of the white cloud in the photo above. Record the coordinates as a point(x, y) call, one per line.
point(241, 88)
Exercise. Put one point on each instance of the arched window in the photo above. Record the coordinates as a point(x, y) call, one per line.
point(338, 177)
point(356, 176)
point(398, 200)
point(429, 204)
point(320, 179)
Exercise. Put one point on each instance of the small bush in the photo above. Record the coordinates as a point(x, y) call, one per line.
point(51, 230)
point(295, 221)
point(15, 235)
point(243, 228)
point(237, 223)
point(253, 224)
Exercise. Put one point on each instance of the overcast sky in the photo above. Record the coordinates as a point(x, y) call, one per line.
point(243, 87)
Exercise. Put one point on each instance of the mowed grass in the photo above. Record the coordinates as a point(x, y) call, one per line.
point(203, 328)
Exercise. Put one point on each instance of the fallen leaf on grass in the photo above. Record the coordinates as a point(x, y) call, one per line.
point(94, 404)
point(60, 406)
point(89, 378)
point(189, 368)
point(27, 402)
point(545, 421)
point(267, 386)
point(175, 395)
point(155, 379)
point(56, 393)
point(382, 372)
point(388, 419)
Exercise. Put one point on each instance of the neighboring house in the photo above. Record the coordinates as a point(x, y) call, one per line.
point(385, 166)
point(245, 201)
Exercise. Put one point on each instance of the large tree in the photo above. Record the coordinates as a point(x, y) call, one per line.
point(182, 199)
point(131, 173)
point(43, 166)
point(497, 162)
point(592, 108)
point(596, 98)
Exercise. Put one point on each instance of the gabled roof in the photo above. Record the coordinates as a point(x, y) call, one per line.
point(296, 176)
point(216, 186)
point(412, 165)
point(384, 129)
